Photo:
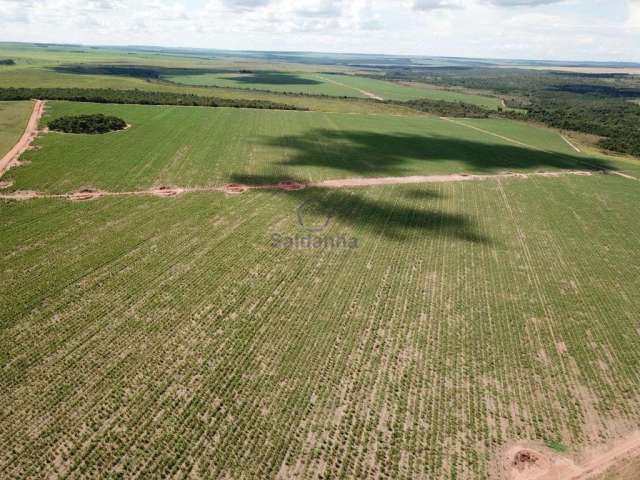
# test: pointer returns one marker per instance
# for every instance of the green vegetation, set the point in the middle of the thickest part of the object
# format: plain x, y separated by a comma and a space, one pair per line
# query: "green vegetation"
135, 327
191, 146
13, 120
555, 445
592, 104
90, 124
616, 119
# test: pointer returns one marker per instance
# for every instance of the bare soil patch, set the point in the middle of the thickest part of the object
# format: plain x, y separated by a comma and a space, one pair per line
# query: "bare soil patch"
291, 186
235, 188
85, 194
166, 191
4, 185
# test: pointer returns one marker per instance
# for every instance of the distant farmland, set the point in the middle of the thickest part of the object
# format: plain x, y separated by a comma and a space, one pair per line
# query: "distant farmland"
328, 84
190, 146
273, 81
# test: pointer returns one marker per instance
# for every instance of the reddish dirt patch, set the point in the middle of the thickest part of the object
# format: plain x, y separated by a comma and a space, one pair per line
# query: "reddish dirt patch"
291, 186
525, 459
166, 191
85, 194
4, 185
235, 188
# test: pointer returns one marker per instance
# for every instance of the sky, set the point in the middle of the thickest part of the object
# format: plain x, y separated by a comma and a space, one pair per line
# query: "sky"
600, 30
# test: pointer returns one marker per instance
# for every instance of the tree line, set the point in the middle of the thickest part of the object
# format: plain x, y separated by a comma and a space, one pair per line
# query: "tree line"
139, 97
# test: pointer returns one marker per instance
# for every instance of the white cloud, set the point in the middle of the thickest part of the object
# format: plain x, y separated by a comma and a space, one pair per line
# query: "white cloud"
428, 5
522, 3
634, 14
572, 29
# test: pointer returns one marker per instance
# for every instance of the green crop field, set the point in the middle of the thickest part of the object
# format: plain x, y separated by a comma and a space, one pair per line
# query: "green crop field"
152, 337
390, 331
191, 146
334, 85
396, 91
272, 81
13, 120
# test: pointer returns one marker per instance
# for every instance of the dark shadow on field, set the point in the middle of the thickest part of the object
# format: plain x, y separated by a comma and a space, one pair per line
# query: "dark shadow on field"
273, 78
387, 154
397, 220
135, 71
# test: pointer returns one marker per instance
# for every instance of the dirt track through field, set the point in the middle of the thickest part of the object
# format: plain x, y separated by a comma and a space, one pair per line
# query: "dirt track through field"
29, 135
487, 132
364, 92
571, 144
231, 189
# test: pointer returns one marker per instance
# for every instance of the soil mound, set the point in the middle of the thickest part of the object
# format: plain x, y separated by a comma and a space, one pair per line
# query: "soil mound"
525, 459
235, 188
166, 191
85, 194
291, 186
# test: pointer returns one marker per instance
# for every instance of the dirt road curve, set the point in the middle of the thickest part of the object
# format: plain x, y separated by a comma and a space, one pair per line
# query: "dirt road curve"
30, 133
556, 467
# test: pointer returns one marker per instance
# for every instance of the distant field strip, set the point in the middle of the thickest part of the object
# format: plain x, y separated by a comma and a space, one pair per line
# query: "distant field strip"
202, 147
305, 83
147, 338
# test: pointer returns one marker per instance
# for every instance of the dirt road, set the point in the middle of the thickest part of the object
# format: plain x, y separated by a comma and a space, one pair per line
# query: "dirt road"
30, 133
172, 191
549, 466
363, 92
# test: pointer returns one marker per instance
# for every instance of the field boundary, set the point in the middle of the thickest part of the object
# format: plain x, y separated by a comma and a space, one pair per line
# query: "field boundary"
363, 92
502, 137
29, 135
172, 191
570, 144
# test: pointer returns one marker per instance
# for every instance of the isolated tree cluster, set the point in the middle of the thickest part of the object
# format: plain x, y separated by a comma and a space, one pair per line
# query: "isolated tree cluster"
91, 124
